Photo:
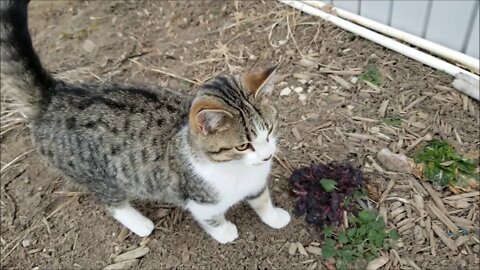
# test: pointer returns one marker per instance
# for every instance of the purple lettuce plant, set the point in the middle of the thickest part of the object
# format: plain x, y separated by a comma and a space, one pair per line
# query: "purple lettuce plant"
325, 191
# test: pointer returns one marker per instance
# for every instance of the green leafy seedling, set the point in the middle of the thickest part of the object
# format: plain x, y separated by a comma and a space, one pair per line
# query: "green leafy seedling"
366, 216
372, 74
354, 247
328, 184
444, 167
327, 231
393, 121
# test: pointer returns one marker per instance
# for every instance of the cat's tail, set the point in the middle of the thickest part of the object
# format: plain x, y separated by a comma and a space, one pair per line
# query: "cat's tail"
22, 75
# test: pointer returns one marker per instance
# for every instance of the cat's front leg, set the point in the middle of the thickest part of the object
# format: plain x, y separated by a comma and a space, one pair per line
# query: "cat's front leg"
274, 217
215, 225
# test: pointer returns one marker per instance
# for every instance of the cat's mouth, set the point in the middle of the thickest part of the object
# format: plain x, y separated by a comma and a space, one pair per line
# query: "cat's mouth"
259, 163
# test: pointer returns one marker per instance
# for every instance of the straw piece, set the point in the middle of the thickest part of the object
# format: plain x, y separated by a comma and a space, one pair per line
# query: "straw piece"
444, 237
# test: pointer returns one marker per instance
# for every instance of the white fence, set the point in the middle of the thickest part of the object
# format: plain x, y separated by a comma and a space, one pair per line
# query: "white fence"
451, 23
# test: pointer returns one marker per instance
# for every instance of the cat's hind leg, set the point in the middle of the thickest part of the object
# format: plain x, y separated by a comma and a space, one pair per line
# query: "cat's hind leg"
132, 219
118, 206
272, 216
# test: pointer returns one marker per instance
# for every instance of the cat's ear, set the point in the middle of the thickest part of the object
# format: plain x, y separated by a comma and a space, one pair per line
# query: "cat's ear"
260, 83
208, 116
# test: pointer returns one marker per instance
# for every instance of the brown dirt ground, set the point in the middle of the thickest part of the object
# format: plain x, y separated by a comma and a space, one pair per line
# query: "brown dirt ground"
44, 227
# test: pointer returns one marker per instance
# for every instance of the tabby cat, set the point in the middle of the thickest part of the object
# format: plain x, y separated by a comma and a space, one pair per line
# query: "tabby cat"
203, 153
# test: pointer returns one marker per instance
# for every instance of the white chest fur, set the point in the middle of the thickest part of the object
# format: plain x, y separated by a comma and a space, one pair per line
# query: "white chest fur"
233, 180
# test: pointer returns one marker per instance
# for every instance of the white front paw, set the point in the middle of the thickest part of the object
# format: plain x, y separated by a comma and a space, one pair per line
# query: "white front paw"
142, 227
225, 233
276, 218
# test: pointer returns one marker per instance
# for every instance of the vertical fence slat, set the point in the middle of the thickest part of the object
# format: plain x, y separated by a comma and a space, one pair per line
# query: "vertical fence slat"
349, 5
473, 46
377, 10
449, 21
409, 16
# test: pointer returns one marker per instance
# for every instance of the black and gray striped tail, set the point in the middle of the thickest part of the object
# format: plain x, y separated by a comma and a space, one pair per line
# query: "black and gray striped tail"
22, 74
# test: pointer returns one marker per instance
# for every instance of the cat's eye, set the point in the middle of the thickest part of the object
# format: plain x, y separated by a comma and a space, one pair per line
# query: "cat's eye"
243, 147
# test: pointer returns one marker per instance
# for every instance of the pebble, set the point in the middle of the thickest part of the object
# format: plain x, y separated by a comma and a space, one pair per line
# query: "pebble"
354, 80
292, 249
375, 129
26, 243
302, 81
394, 162
302, 98
88, 46
314, 250
285, 91
252, 57
298, 89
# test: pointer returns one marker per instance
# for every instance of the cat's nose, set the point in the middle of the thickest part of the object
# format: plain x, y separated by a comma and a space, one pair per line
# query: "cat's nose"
268, 158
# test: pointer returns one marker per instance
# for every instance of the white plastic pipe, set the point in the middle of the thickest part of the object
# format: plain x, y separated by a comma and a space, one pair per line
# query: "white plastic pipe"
467, 61
391, 44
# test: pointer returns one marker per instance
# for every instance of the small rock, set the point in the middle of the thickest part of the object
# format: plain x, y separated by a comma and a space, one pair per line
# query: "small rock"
292, 249
26, 243
354, 80
282, 84
476, 248
282, 42
314, 250
298, 89
302, 81
88, 46
310, 89
285, 91
302, 97
252, 57
375, 129
394, 162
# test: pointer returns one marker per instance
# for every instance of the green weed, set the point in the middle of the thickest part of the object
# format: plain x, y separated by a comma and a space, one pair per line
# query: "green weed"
354, 247
444, 167
372, 74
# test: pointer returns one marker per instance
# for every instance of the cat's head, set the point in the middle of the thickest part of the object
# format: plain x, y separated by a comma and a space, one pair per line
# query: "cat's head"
232, 118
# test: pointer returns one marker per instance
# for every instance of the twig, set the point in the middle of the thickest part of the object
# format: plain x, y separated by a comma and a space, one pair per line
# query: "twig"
282, 163
2, 170
164, 72
32, 228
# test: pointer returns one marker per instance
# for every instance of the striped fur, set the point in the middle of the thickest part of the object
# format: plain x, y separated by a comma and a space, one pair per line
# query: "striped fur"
129, 142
